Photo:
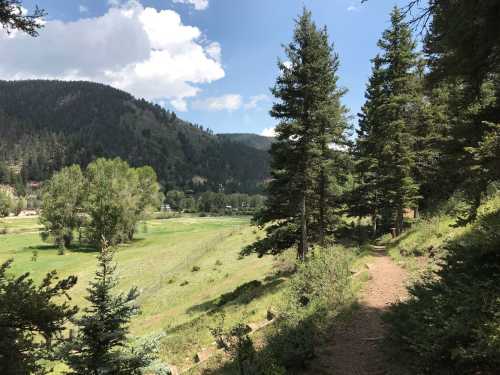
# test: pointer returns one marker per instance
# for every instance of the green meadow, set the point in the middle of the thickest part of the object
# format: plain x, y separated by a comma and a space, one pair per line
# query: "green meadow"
182, 267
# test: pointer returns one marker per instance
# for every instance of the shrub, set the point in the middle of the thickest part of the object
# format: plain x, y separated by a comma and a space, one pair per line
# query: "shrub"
317, 292
451, 322
195, 269
245, 360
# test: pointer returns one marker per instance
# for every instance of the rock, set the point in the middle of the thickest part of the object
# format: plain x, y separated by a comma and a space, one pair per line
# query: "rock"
271, 314
203, 355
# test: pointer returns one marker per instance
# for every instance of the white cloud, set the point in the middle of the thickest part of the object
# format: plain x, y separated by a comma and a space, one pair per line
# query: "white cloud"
353, 7
146, 52
83, 8
255, 100
198, 4
268, 132
179, 104
214, 50
230, 102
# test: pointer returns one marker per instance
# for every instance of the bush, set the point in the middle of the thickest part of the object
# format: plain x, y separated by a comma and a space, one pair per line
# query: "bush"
245, 360
451, 323
195, 269
317, 292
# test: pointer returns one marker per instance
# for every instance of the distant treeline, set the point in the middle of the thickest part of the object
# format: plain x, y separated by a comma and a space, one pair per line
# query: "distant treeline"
214, 203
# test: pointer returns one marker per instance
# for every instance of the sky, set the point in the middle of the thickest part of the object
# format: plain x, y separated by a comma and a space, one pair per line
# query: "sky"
211, 61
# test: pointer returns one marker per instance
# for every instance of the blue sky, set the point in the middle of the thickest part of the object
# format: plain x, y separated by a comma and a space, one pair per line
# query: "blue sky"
212, 61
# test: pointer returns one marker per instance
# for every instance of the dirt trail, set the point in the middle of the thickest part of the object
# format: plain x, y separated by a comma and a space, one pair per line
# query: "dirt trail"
355, 346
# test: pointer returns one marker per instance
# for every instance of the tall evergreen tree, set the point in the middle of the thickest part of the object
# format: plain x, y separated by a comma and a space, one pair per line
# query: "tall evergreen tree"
388, 126
102, 331
311, 122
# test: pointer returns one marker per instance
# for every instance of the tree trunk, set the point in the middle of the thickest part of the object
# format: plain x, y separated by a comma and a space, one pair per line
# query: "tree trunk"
399, 221
67, 239
322, 204
303, 245
374, 224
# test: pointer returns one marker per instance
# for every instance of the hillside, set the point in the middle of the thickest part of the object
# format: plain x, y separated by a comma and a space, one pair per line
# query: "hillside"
253, 140
45, 125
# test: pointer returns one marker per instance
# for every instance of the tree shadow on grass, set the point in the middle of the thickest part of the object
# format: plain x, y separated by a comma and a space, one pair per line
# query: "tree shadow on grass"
242, 295
81, 247
75, 248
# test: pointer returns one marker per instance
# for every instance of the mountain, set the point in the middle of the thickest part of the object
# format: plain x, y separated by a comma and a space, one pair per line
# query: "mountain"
253, 140
46, 125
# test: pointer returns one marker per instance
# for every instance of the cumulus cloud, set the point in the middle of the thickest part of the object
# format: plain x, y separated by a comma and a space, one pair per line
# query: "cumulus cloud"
229, 102
214, 50
144, 51
268, 132
254, 101
198, 4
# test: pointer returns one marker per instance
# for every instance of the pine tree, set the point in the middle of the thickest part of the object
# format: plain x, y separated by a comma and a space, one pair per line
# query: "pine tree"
366, 199
312, 120
12, 17
388, 125
102, 330
32, 320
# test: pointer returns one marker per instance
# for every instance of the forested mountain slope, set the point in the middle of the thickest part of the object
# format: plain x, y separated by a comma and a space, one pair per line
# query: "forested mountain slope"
45, 125
259, 142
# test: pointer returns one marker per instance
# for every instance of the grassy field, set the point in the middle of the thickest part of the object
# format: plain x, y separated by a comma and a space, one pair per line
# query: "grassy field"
182, 266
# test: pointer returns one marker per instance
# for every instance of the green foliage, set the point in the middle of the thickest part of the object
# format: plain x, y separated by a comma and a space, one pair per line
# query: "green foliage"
32, 320
389, 131
317, 292
5, 204
102, 332
47, 125
450, 324
61, 211
311, 121
215, 203
13, 18
237, 343
253, 140
106, 202
146, 350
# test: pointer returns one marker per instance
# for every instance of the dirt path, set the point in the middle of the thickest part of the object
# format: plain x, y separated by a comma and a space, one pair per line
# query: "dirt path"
354, 349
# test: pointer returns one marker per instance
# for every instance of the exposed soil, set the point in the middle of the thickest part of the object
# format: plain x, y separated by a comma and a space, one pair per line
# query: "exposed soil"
355, 347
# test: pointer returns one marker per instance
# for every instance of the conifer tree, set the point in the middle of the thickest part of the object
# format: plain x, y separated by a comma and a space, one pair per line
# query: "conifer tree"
98, 347
366, 199
12, 18
32, 320
311, 122
389, 123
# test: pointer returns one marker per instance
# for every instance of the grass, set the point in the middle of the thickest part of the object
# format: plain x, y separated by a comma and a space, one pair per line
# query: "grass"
174, 299
187, 270
424, 239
